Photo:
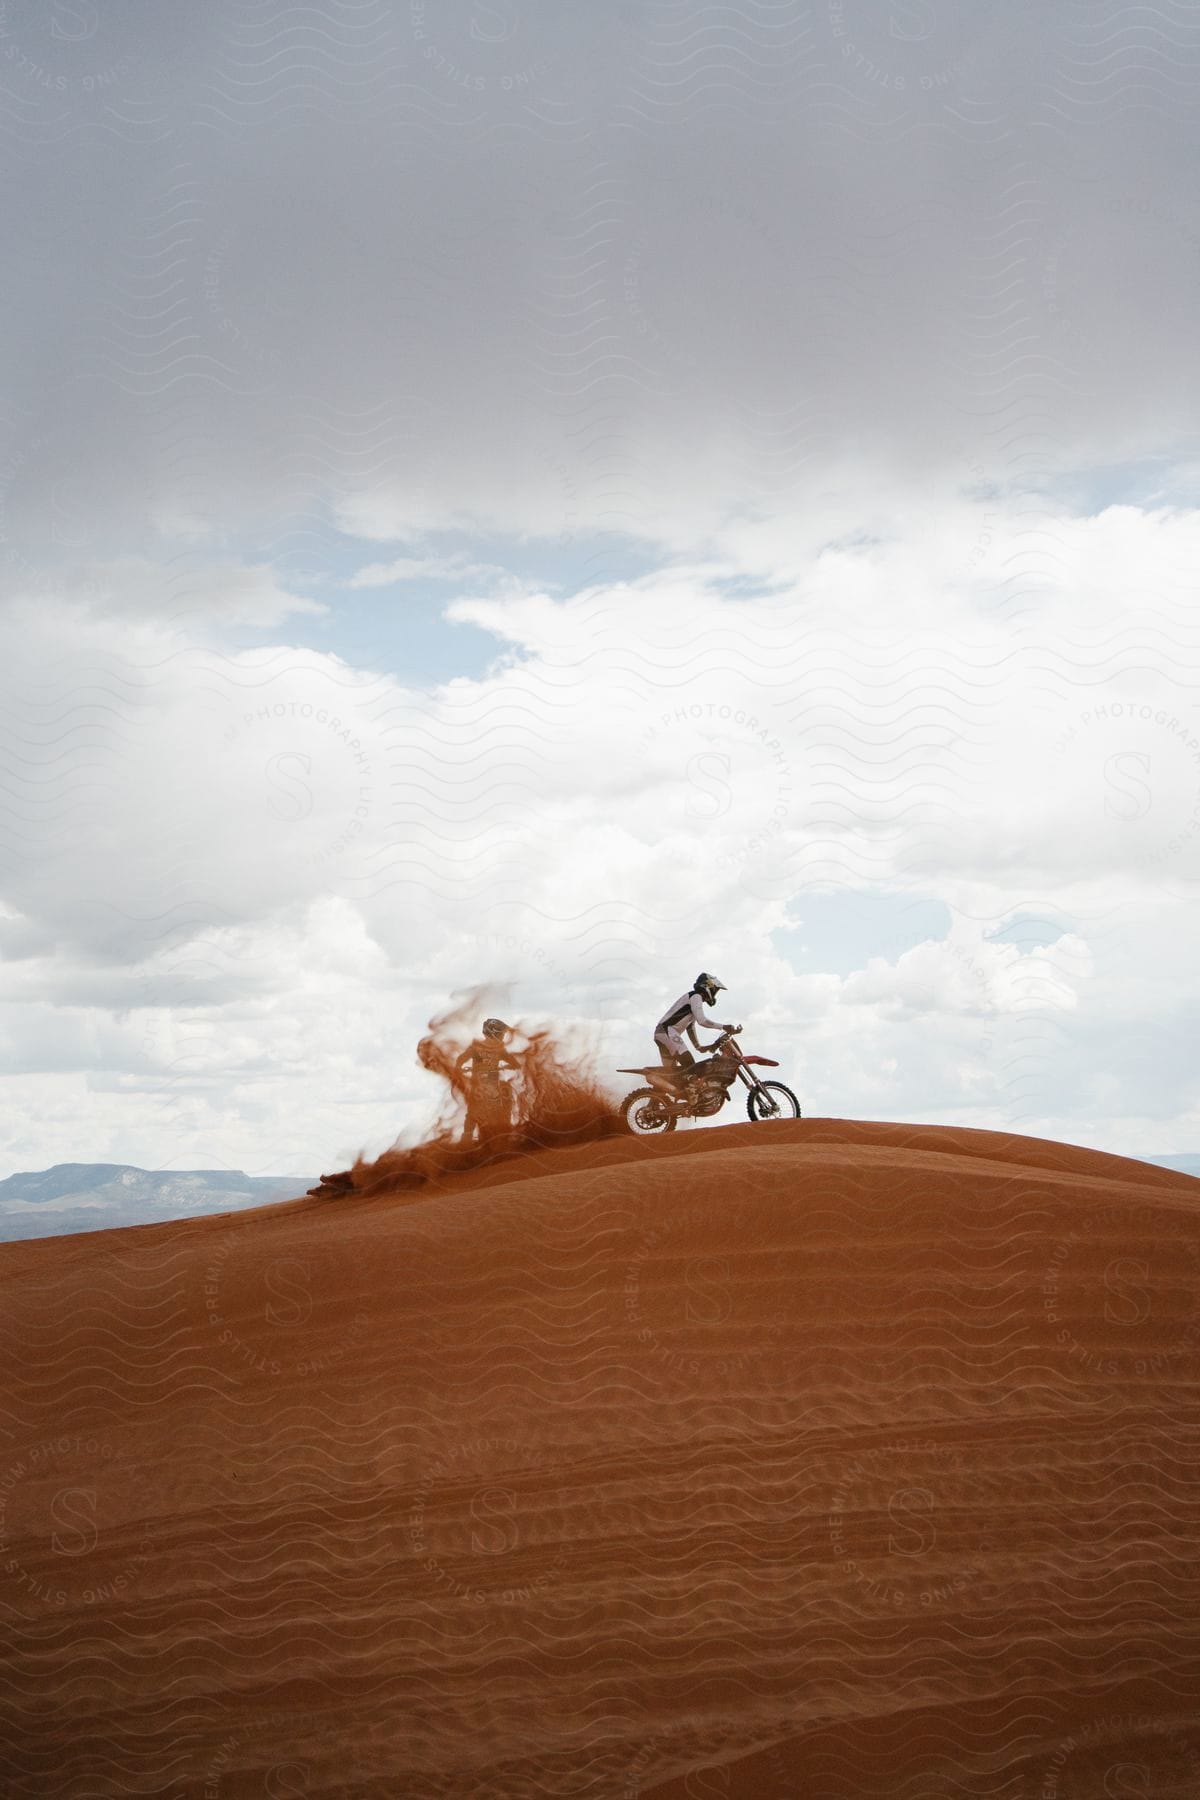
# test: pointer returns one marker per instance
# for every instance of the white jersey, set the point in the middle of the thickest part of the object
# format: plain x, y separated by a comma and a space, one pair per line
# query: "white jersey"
687, 1014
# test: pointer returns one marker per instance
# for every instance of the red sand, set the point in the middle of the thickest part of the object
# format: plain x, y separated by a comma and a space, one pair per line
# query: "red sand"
812, 1460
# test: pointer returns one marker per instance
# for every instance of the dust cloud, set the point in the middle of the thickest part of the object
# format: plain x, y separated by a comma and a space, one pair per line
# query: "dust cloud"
556, 1102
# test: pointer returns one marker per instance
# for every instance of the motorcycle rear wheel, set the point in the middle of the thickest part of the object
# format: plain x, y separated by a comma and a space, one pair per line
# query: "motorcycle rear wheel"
645, 1112
785, 1100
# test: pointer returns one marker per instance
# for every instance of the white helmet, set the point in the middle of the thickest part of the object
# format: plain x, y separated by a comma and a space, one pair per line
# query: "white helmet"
708, 987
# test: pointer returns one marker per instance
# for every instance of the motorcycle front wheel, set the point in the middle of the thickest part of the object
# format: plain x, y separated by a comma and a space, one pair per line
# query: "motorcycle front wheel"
786, 1105
645, 1111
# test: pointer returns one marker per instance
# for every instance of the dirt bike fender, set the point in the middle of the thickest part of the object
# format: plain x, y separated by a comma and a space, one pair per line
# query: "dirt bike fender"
768, 1062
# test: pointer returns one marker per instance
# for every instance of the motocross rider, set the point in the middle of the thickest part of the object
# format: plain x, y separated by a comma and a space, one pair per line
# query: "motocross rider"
486, 1090
686, 1014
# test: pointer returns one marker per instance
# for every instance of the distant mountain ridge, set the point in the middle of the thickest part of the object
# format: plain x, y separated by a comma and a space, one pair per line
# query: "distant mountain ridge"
96, 1196
1187, 1165
76, 1196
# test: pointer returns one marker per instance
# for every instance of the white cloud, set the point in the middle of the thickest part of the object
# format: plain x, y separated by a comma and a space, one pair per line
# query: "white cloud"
271, 869
833, 318
198, 594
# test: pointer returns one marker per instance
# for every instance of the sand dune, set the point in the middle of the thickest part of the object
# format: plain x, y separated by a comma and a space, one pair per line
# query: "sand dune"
814, 1460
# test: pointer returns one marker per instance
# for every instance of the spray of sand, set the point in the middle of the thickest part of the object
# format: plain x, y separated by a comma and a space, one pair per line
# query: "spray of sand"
557, 1102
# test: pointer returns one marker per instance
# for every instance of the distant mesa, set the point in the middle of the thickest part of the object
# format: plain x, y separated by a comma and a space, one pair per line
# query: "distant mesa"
77, 1196
1184, 1165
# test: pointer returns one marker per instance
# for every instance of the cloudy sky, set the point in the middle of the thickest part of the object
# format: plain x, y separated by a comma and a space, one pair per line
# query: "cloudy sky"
557, 496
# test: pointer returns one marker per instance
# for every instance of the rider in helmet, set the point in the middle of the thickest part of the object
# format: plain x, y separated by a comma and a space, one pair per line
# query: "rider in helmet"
685, 1016
489, 1097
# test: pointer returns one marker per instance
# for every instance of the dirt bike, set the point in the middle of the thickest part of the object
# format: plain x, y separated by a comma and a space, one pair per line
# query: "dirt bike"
703, 1089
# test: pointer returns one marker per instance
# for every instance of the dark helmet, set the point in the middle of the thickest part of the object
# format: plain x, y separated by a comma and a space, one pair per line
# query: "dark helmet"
495, 1028
708, 987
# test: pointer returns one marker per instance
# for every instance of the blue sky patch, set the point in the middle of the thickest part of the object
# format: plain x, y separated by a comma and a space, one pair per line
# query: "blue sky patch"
835, 934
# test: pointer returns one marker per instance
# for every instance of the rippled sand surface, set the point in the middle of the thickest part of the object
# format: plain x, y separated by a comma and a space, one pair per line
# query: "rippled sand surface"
815, 1460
